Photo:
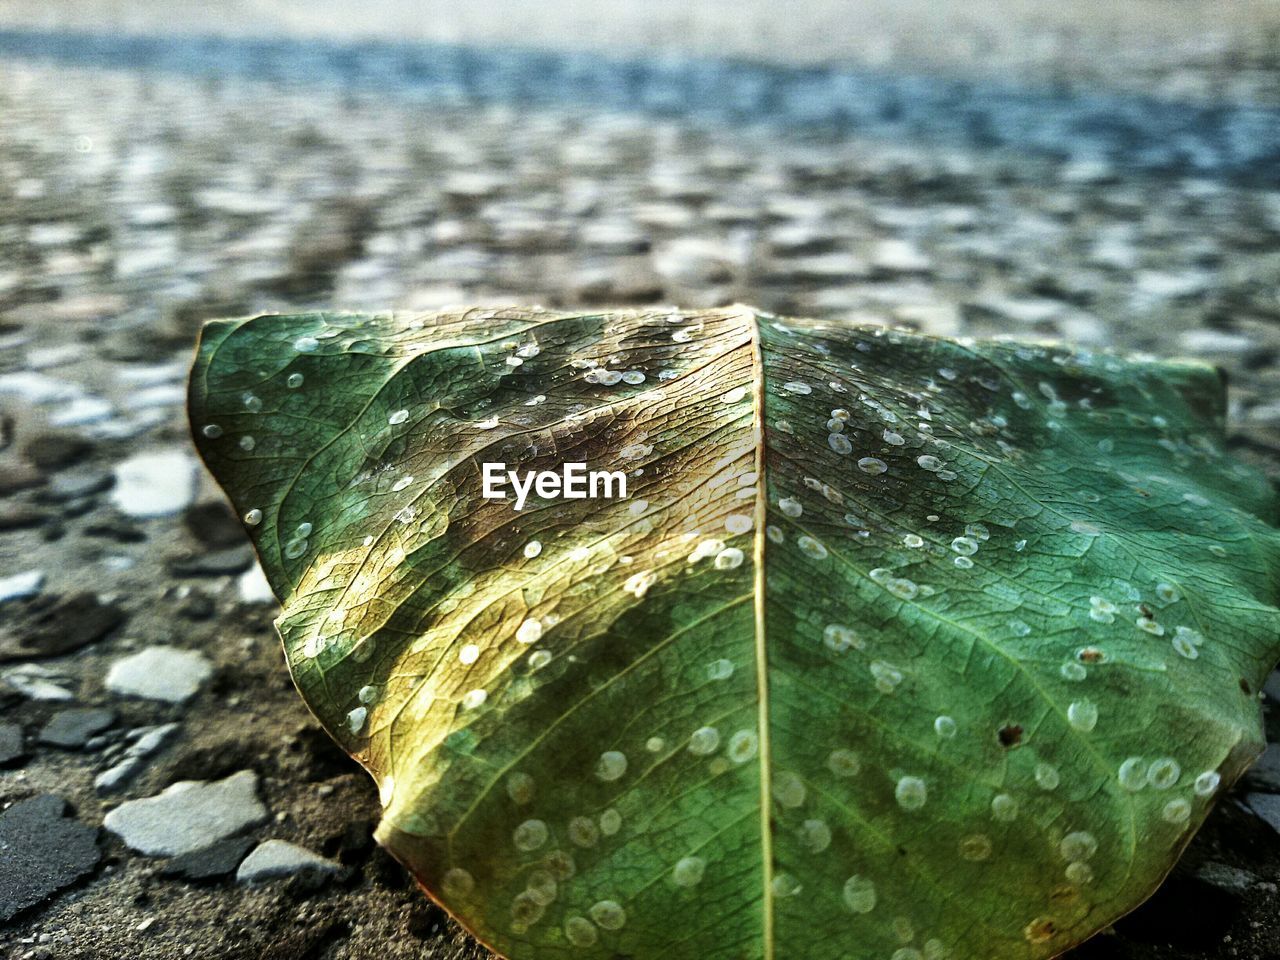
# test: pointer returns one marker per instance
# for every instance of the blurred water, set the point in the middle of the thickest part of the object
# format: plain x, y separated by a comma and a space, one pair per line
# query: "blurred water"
1230, 140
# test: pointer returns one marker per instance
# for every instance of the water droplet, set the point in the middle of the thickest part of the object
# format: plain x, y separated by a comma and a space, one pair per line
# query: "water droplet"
253, 517
1207, 783
720, 669
608, 915
785, 885
580, 931
1078, 845
886, 675
1133, 774
1004, 808
611, 765
520, 788
1047, 776
911, 793
1073, 671
530, 835
1163, 773
844, 763
788, 789
929, 462
872, 465
859, 894
743, 746
944, 727
212, 431
1079, 873
457, 883
790, 507
1083, 715
1177, 811
976, 847
838, 638
356, 719
583, 832
812, 548
704, 741
688, 871
729, 558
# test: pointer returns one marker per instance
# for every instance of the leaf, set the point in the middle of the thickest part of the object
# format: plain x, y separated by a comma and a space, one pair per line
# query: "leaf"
952, 664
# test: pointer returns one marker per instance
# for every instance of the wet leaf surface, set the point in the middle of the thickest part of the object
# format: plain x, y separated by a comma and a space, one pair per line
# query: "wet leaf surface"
897, 647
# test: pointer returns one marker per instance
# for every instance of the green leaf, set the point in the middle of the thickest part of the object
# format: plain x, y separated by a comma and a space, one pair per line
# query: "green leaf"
896, 648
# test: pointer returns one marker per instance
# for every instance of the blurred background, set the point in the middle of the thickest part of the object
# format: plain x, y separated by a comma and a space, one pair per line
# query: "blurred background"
1107, 174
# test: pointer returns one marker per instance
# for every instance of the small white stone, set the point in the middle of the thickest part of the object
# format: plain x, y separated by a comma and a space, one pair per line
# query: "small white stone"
21, 585
159, 673
155, 484
252, 586
189, 815
278, 859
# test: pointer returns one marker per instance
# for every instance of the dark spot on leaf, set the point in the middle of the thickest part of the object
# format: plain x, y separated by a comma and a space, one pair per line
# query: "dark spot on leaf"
1009, 735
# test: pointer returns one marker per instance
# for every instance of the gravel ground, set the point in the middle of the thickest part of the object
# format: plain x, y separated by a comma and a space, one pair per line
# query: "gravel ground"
134, 203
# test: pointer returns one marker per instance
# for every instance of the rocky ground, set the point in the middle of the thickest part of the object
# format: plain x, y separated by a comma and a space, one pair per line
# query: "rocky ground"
136, 648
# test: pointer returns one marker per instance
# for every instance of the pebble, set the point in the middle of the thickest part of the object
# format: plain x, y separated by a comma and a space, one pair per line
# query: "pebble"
1264, 775
77, 483
45, 850
277, 859
37, 683
155, 484
159, 673
19, 586
213, 563
72, 729
148, 741
55, 451
11, 747
69, 624
898, 257
1266, 806
19, 476
1208, 342
252, 586
188, 815
216, 860
1226, 877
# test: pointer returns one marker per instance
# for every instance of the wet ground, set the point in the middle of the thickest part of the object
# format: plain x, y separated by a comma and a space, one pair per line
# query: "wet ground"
144, 188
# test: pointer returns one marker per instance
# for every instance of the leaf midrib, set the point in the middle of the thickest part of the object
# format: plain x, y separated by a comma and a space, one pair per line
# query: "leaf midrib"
761, 653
